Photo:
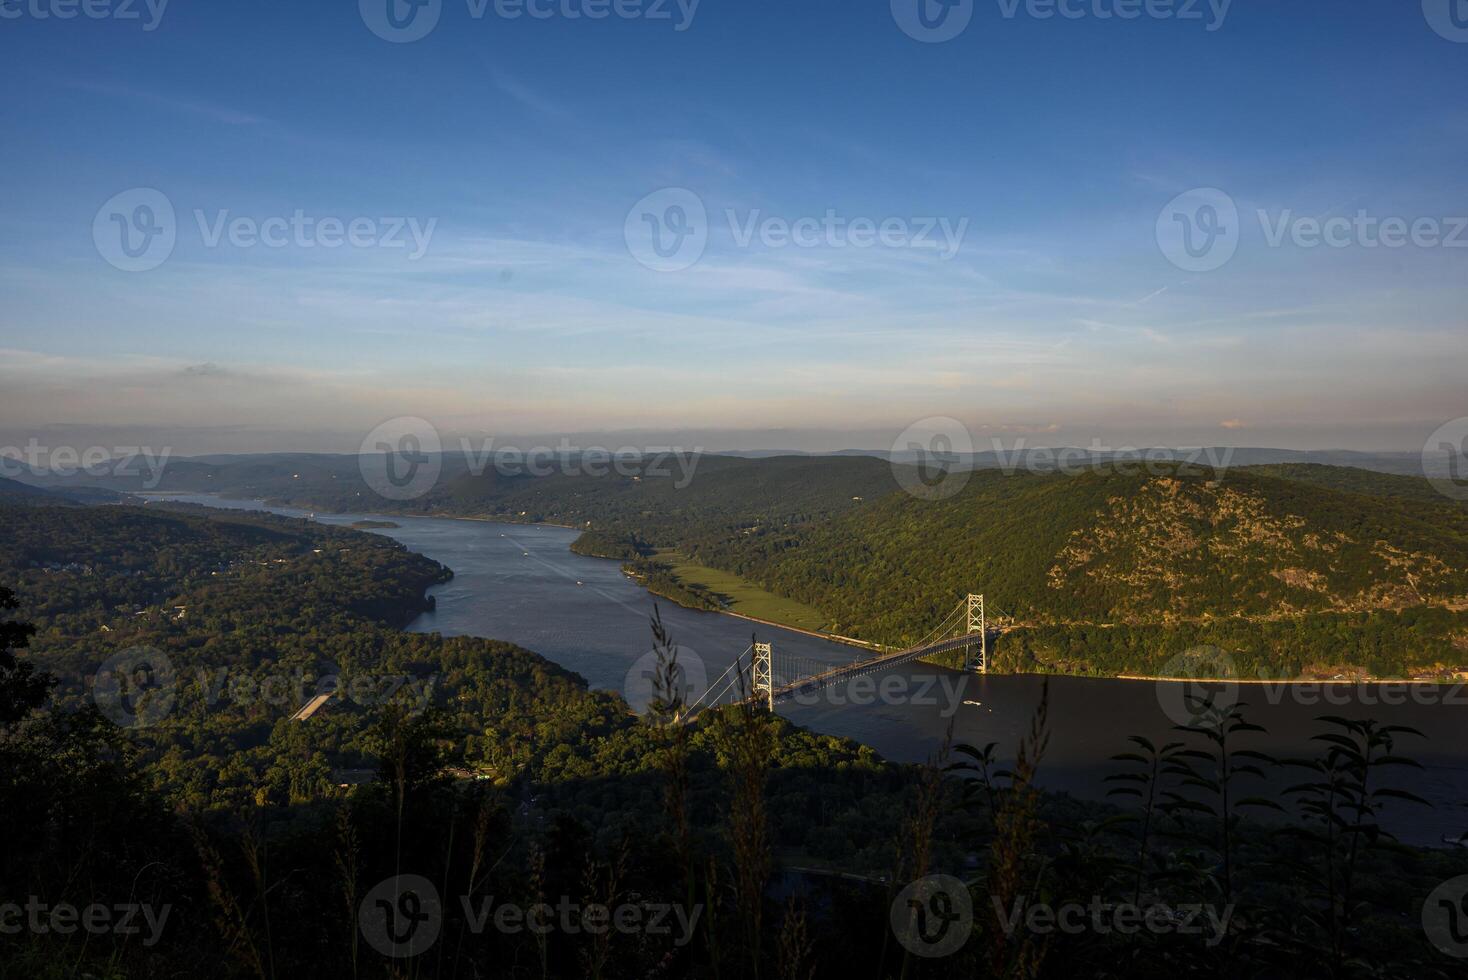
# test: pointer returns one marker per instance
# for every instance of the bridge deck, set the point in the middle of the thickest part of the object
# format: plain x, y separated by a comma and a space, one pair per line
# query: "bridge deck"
847, 671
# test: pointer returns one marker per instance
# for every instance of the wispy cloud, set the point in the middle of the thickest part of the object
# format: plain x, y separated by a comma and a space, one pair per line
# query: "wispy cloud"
173, 103
528, 98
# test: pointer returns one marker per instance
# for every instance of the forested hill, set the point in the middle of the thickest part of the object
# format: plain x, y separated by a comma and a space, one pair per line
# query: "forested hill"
1353, 480
129, 568
1156, 560
12, 492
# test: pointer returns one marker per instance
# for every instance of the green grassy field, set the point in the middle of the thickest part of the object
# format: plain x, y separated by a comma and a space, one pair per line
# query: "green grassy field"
744, 598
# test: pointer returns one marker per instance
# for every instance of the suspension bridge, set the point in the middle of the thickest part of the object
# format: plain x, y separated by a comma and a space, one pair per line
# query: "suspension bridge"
767, 677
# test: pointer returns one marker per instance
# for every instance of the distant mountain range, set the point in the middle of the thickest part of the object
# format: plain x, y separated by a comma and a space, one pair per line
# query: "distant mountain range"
232, 472
1043, 458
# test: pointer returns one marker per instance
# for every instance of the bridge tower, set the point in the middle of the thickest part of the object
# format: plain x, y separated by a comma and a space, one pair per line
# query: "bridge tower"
762, 673
977, 624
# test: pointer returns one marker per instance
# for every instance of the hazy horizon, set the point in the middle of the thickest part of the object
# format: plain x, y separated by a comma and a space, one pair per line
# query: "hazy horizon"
190, 444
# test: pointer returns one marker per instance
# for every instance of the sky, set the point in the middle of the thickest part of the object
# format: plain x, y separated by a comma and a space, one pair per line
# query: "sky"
1045, 227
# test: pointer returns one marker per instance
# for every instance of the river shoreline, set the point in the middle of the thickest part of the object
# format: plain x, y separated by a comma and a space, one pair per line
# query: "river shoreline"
831, 637
851, 641
436, 515
1289, 682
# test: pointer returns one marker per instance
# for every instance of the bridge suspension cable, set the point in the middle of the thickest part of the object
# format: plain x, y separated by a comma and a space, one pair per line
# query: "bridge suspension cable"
730, 673
949, 622
773, 675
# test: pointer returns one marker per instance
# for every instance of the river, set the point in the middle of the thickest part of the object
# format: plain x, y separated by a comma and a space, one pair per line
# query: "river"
521, 583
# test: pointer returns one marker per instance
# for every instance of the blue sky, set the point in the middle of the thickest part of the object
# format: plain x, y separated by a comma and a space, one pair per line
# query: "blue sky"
524, 144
